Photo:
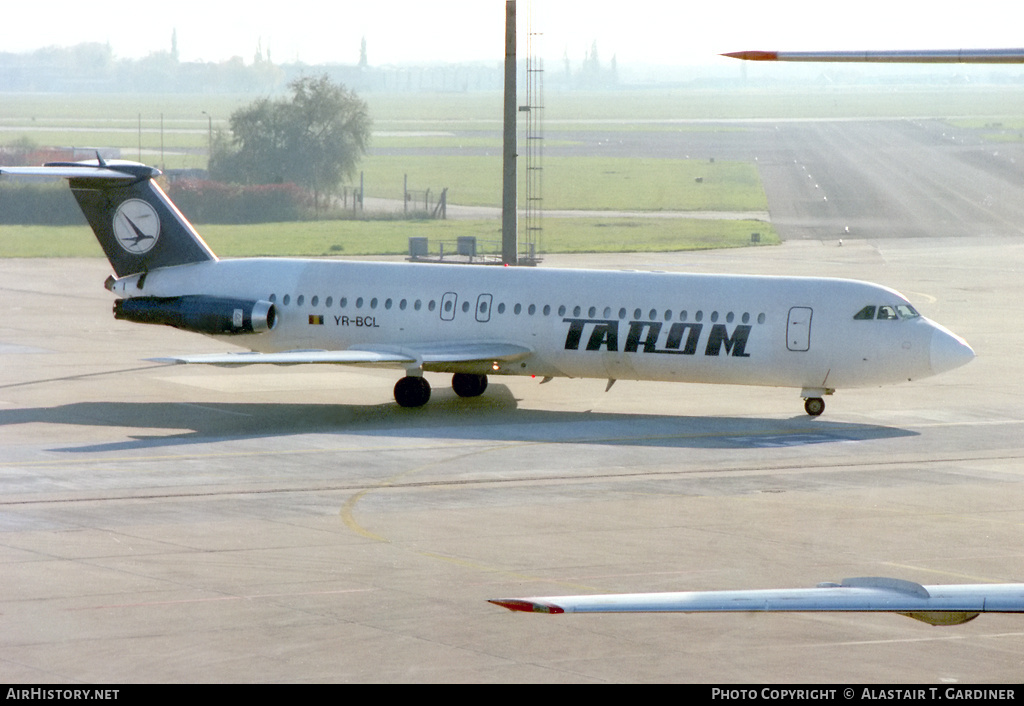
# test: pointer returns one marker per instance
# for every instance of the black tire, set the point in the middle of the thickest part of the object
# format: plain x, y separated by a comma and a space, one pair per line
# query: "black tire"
468, 385
814, 406
412, 391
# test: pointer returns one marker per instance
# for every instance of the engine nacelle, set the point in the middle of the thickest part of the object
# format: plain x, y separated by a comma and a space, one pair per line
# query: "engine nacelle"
199, 313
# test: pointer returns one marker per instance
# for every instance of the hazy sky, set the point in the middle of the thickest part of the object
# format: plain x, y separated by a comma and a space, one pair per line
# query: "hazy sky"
399, 31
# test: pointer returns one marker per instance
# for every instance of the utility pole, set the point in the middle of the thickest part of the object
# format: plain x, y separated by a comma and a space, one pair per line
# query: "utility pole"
209, 139
509, 205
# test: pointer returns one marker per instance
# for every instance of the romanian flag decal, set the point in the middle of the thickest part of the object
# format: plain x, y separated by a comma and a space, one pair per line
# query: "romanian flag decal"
316, 320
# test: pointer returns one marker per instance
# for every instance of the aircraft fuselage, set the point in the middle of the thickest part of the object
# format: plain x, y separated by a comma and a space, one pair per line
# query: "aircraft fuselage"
734, 329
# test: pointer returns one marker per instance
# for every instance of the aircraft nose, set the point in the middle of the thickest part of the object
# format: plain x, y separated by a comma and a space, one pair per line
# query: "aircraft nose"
948, 350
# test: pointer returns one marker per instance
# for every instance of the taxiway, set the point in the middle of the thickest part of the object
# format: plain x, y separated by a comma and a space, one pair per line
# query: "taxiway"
175, 524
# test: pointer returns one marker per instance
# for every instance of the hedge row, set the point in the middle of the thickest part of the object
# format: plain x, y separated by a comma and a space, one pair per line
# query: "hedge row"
200, 201
216, 202
38, 204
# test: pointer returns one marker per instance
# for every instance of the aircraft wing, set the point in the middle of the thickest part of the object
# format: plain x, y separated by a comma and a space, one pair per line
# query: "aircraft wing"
936, 605
387, 356
927, 56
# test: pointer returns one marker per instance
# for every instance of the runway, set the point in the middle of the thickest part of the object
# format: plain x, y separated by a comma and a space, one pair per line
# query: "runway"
843, 178
175, 524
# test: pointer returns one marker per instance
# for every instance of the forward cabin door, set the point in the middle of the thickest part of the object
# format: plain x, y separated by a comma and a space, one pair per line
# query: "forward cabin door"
798, 330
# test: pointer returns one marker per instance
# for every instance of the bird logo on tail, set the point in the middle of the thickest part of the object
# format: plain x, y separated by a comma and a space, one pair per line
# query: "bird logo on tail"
136, 226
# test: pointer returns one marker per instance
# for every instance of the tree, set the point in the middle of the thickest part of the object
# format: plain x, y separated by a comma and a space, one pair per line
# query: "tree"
314, 139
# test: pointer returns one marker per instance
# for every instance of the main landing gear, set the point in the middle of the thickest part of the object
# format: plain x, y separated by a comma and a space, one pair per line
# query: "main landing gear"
467, 385
414, 391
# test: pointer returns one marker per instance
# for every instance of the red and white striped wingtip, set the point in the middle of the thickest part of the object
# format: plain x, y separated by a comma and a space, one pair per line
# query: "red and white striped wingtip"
525, 606
897, 56
754, 55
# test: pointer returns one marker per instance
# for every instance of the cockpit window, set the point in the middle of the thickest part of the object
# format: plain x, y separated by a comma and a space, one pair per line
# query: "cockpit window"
886, 312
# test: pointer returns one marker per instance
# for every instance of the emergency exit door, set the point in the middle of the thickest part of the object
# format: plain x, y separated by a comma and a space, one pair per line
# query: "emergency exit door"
798, 330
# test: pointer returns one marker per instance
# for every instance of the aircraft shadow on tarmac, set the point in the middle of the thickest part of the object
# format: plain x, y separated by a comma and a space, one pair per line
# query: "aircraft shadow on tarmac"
495, 416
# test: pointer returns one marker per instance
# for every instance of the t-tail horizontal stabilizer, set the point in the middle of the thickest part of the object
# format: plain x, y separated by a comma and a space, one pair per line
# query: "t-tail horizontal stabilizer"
935, 605
139, 228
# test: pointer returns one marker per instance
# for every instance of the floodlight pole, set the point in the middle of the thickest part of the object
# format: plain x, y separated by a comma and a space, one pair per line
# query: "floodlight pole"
509, 204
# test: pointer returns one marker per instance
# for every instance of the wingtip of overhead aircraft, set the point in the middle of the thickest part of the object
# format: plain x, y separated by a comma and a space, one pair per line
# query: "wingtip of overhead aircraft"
753, 55
943, 604
897, 56
525, 606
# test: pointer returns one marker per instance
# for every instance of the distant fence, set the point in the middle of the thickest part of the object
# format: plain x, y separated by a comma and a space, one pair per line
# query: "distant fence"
360, 202
433, 205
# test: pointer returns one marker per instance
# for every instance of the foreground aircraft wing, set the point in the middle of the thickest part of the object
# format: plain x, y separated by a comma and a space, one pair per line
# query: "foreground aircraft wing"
931, 56
398, 356
936, 605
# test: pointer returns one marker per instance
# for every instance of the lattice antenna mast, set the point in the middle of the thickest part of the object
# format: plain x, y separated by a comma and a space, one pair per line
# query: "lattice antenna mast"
534, 109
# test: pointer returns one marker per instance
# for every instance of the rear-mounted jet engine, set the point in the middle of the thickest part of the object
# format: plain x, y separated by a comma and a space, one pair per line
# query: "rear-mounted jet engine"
202, 314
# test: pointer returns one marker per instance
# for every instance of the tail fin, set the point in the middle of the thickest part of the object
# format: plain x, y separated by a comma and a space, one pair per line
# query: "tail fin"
137, 225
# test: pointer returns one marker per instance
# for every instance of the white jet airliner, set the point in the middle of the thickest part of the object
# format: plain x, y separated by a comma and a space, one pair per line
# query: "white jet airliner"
813, 334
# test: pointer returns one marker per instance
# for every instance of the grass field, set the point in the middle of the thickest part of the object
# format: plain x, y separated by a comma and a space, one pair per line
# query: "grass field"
580, 183
174, 131
116, 120
352, 238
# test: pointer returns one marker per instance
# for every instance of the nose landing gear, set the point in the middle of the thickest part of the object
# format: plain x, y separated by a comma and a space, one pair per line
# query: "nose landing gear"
814, 406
